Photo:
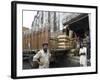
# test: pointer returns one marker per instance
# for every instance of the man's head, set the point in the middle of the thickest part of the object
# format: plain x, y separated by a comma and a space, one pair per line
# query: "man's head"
45, 46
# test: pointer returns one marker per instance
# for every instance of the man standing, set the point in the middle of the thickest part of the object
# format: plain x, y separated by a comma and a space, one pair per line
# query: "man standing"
83, 55
43, 56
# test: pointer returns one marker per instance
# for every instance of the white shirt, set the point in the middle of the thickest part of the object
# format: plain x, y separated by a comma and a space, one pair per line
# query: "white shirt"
83, 50
43, 58
83, 58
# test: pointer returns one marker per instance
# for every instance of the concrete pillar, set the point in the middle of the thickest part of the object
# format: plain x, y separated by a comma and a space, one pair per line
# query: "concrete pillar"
89, 15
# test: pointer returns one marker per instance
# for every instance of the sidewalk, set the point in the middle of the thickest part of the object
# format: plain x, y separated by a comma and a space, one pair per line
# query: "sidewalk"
73, 58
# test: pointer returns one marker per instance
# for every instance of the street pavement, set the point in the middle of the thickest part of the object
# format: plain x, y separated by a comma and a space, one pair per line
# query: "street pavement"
61, 61
64, 61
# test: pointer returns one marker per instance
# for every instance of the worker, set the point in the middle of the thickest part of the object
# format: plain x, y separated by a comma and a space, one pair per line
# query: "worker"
87, 38
83, 55
43, 56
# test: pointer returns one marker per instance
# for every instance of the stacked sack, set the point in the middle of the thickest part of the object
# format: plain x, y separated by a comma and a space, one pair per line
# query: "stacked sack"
63, 41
